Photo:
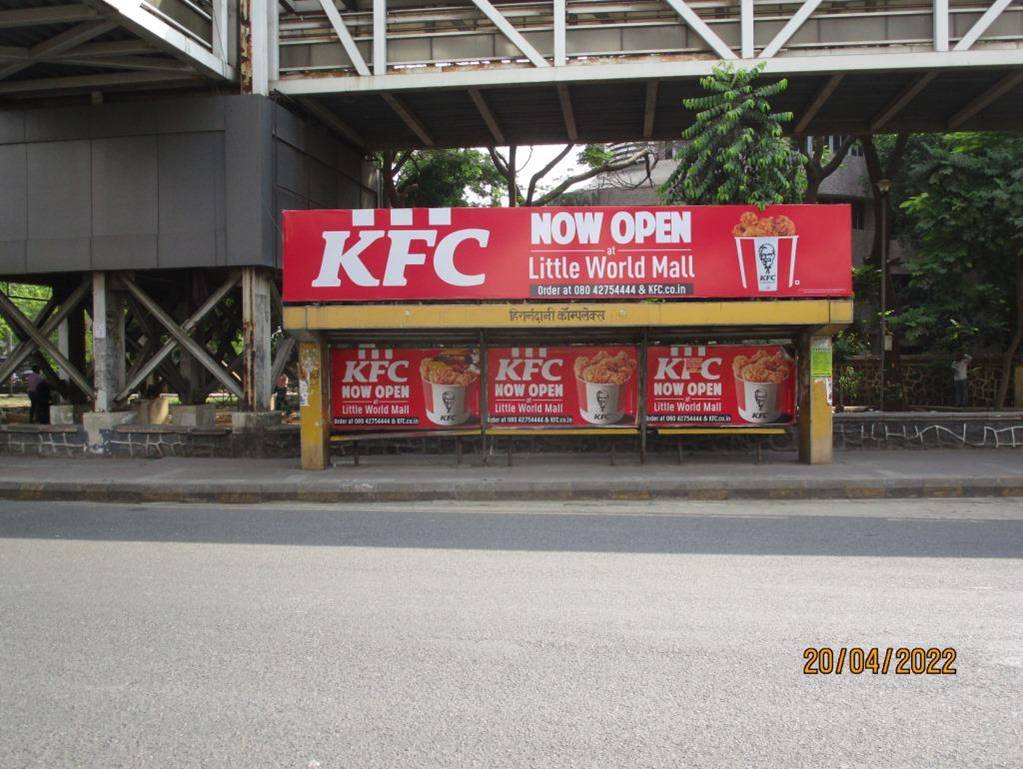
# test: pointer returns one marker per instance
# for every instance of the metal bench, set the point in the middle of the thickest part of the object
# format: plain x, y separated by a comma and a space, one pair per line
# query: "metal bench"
759, 432
356, 438
540, 432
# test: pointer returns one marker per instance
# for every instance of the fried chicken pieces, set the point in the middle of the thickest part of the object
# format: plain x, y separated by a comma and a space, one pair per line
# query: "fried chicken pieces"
762, 367
603, 368
751, 226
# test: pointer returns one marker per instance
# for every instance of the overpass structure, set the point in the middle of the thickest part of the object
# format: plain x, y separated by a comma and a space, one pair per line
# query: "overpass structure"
148, 146
413, 73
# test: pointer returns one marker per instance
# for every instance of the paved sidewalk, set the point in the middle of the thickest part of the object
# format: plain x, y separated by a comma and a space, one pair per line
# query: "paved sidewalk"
854, 475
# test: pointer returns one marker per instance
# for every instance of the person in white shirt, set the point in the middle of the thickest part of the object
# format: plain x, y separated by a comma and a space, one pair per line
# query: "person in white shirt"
959, 378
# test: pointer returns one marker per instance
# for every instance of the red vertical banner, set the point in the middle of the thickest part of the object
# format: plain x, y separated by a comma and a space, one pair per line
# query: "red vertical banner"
727, 385
403, 388
562, 386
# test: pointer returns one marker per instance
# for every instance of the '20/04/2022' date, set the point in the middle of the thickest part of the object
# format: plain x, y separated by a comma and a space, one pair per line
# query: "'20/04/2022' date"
902, 660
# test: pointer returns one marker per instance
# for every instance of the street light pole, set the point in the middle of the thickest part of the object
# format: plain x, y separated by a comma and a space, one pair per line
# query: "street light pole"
884, 186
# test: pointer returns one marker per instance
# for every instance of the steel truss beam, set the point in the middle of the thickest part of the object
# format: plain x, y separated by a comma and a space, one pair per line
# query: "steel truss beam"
57, 44
183, 337
40, 337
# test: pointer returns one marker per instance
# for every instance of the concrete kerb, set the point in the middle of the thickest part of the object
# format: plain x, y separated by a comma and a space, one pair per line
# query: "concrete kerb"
361, 492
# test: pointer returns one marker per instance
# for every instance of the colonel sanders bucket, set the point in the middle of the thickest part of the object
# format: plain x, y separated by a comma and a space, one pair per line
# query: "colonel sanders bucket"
767, 252
447, 379
602, 387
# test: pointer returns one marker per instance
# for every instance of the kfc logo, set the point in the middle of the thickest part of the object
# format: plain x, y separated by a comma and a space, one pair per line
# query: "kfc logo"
344, 250
374, 366
677, 368
528, 368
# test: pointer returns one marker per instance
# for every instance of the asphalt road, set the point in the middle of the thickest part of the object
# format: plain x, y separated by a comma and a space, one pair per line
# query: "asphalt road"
549, 636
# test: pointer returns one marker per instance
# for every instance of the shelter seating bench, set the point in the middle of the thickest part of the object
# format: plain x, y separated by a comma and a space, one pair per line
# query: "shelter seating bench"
760, 434
546, 432
356, 438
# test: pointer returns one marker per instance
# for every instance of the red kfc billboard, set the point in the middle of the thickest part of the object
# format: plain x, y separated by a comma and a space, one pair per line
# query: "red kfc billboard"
562, 386
720, 385
691, 252
402, 388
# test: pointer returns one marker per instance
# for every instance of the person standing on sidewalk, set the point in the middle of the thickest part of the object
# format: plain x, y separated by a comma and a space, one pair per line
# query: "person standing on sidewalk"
960, 378
33, 380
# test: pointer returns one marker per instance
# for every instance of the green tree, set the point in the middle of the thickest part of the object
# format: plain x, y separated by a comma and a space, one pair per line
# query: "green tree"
735, 150
966, 225
439, 178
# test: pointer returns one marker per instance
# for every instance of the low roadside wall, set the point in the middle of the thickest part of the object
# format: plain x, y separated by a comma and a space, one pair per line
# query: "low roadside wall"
852, 431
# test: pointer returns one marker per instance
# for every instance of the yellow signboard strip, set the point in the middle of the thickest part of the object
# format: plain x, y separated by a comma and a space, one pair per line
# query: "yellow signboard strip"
797, 312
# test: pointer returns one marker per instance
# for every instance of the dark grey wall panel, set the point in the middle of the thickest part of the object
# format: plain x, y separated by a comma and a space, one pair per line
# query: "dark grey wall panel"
167, 183
124, 186
113, 252
191, 198
249, 176
62, 123
13, 203
123, 119
202, 113
59, 190
12, 126
12, 257
58, 254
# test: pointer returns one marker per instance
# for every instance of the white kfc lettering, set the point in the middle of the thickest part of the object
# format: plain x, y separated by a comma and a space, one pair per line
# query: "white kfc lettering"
670, 368
335, 258
522, 370
400, 256
374, 370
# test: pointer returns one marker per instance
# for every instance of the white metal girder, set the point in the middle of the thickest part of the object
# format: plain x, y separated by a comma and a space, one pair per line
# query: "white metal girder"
699, 26
980, 26
514, 36
133, 63
560, 39
940, 25
60, 43
791, 27
746, 32
347, 42
379, 37
134, 15
646, 70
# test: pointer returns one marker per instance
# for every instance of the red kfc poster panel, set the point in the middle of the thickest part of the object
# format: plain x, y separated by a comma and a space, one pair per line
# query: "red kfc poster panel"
549, 254
562, 386
721, 385
405, 389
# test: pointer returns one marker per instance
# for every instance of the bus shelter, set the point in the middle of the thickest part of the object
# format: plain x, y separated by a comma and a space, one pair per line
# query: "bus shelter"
567, 321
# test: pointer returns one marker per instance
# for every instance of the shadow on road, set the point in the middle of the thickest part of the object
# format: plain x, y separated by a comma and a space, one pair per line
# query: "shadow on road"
832, 535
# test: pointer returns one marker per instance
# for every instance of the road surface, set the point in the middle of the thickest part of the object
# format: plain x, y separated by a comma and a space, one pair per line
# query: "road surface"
584, 635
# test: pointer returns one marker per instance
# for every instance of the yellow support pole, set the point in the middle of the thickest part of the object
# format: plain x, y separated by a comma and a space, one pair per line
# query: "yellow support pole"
314, 403
815, 396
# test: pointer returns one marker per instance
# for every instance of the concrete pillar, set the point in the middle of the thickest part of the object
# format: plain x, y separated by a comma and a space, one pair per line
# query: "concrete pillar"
815, 395
107, 341
71, 342
257, 362
314, 403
